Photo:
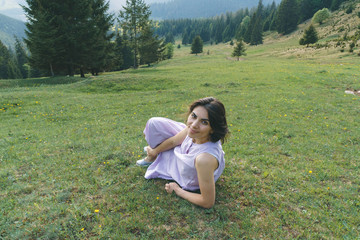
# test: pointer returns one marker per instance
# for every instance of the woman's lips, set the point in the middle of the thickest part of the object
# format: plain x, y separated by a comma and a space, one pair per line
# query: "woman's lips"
192, 131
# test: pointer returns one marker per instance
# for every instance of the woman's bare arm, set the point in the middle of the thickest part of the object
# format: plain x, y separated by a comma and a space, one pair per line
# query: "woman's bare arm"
205, 165
167, 144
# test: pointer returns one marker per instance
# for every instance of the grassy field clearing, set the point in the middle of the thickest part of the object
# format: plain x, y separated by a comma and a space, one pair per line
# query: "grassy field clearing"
68, 148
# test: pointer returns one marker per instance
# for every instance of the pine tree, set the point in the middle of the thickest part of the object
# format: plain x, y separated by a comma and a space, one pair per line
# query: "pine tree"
287, 16
169, 51
123, 54
150, 47
117, 58
308, 8
219, 27
134, 17
64, 36
250, 28
257, 31
169, 38
197, 45
4, 58
239, 49
41, 38
21, 58
310, 36
242, 28
185, 38
127, 53
8, 66
226, 35
335, 4
270, 19
99, 47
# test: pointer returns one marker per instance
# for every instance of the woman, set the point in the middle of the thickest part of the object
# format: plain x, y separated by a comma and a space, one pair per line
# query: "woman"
191, 154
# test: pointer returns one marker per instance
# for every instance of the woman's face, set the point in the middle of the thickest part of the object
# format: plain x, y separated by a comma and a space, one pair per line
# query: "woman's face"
199, 125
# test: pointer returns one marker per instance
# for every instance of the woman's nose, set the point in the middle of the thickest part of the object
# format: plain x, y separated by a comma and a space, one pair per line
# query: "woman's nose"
195, 124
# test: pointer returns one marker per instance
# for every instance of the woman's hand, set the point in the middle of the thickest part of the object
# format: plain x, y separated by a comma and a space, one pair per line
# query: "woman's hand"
170, 187
151, 154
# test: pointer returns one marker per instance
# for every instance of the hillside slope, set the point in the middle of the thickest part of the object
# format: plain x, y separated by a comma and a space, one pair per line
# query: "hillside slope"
335, 36
9, 28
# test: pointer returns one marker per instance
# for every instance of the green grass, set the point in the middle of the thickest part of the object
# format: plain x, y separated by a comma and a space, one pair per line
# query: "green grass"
68, 148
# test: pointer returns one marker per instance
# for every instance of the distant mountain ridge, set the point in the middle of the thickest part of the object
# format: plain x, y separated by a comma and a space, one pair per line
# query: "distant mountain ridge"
200, 8
10, 27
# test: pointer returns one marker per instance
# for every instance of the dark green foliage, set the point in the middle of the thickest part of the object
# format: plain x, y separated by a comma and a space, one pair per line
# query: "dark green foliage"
254, 31
350, 9
247, 35
270, 19
239, 49
257, 31
117, 60
352, 46
99, 47
335, 4
242, 28
190, 9
197, 45
205, 34
287, 16
240, 24
66, 36
310, 36
124, 56
8, 66
169, 51
222, 28
185, 38
226, 36
309, 7
21, 58
169, 38
150, 47
219, 28
133, 18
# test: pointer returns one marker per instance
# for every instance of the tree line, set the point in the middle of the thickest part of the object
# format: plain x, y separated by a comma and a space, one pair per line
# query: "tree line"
78, 37
14, 64
177, 9
246, 24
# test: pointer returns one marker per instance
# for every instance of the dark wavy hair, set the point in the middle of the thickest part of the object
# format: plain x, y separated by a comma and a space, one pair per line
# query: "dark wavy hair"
217, 117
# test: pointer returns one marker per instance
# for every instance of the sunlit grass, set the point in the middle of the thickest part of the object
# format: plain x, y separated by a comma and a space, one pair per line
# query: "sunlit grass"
68, 148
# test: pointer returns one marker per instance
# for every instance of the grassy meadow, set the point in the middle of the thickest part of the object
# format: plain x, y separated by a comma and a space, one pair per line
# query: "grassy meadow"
68, 148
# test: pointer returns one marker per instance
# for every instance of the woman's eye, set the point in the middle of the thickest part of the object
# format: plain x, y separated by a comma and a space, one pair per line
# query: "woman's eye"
193, 115
205, 122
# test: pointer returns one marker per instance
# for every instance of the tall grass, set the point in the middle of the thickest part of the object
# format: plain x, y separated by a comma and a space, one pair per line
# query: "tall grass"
68, 148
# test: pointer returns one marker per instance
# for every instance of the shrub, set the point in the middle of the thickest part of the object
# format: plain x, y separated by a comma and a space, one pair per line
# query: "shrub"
352, 45
350, 9
321, 15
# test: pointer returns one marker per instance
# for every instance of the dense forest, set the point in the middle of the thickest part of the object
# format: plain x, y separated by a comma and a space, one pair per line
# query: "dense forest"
177, 9
67, 39
246, 24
